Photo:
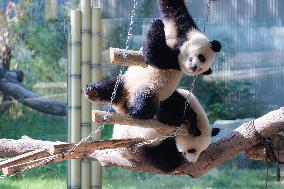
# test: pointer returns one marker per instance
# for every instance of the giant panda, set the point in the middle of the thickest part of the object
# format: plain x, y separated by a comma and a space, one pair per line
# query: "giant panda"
170, 50
172, 152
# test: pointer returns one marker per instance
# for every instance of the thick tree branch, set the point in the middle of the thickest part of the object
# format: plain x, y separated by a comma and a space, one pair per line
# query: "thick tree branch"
242, 138
246, 137
28, 98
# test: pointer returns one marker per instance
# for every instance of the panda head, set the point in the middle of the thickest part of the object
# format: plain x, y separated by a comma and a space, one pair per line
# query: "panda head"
191, 146
197, 54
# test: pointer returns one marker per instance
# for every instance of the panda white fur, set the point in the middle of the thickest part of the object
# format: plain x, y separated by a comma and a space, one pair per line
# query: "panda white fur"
169, 54
170, 153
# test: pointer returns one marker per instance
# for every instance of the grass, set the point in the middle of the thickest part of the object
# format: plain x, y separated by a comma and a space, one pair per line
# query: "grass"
53, 177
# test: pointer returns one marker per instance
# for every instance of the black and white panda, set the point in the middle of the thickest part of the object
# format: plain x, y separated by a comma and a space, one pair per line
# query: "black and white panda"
170, 153
169, 54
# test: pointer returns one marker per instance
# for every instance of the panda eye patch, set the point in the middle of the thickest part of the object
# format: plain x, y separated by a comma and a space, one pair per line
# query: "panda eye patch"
191, 151
201, 58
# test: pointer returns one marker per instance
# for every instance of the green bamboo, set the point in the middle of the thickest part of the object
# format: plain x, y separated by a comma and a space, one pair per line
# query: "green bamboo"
69, 104
86, 79
96, 75
75, 93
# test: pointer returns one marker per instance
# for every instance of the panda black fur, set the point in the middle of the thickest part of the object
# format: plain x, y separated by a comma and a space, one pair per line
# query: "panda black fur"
142, 89
170, 153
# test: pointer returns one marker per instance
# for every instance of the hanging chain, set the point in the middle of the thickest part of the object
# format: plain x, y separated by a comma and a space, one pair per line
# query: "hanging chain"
45, 160
191, 88
207, 14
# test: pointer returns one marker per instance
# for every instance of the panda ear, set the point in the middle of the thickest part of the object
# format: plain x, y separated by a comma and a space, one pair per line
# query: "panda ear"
208, 72
215, 131
216, 46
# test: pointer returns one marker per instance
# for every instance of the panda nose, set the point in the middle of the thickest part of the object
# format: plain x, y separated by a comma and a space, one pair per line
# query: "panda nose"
194, 68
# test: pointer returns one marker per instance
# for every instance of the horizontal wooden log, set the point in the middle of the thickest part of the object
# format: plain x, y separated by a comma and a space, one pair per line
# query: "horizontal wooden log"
134, 58
24, 158
124, 119
58, 153
11, 148
259, 152
241, 139
90, 147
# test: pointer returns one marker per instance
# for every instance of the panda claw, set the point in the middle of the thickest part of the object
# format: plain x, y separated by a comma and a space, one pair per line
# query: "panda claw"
89, 92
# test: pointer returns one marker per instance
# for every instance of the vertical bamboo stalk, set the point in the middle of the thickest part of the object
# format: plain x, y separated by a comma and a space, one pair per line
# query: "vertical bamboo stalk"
96, 75
69, 105
86, 79
75, 92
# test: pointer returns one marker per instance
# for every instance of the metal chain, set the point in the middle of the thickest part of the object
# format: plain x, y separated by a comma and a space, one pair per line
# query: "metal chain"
207, 14
106, 117
186, 104
42, 161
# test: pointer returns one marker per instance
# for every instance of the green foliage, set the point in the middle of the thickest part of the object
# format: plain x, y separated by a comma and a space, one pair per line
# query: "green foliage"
146, 8
20, 120
40, 46
226, 99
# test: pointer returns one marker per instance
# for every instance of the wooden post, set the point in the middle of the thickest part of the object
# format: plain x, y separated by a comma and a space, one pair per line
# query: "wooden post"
96, 75
86, 79
69, 105
75, 92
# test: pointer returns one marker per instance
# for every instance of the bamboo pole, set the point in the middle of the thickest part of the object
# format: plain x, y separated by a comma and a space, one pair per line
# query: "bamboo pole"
75, 92
86, 79
69, 104
96, 75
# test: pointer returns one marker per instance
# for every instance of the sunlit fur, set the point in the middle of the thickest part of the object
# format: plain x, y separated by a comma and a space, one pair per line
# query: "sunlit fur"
197, 44
198, 143
161, 81
170, 33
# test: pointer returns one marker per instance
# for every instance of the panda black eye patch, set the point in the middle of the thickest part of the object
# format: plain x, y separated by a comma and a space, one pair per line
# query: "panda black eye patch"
191, 151
201, 58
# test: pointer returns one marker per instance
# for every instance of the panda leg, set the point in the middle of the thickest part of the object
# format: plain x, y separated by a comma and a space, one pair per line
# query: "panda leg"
155, 49
164, 156
172, 111
102, 90
144, 105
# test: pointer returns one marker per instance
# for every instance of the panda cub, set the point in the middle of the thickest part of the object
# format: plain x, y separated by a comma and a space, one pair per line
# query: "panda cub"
170, 153
171, 49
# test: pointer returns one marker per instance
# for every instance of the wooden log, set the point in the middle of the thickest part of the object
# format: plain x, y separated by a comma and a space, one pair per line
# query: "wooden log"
58, 153
241, 139
11, 148
134, 58
258, 152
11, 170
30, 156
89, 147
124, 119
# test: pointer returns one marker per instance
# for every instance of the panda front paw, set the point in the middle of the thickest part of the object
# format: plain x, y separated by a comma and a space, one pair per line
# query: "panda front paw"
90, 92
